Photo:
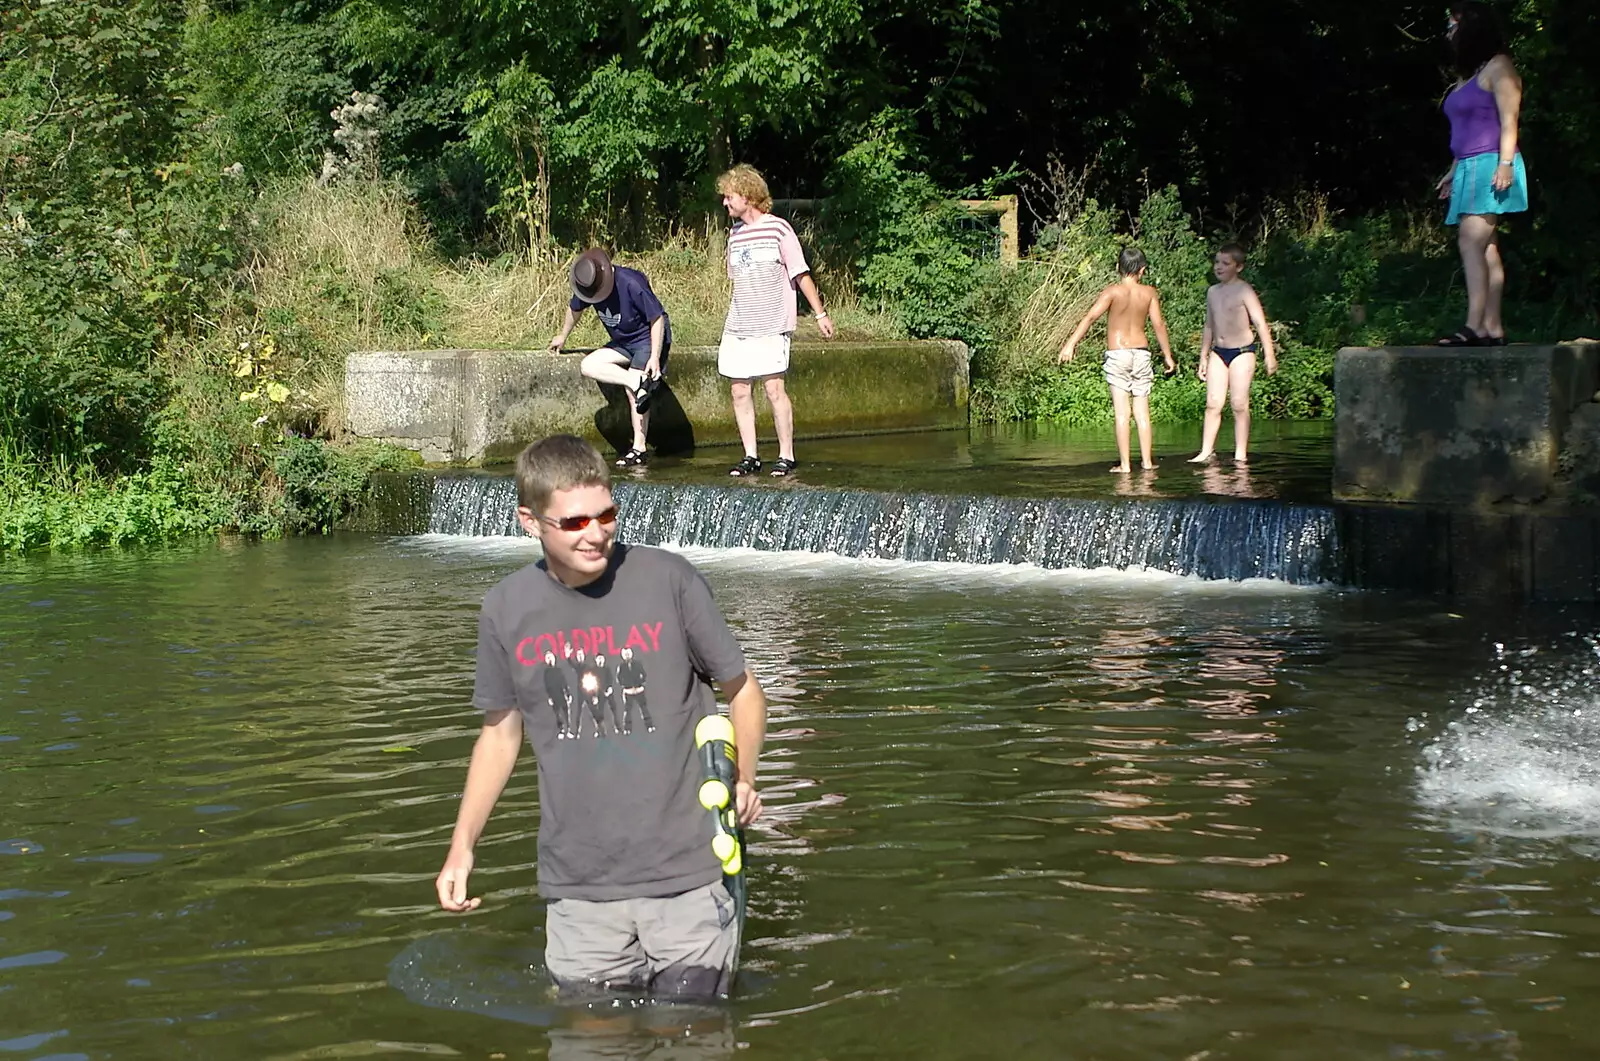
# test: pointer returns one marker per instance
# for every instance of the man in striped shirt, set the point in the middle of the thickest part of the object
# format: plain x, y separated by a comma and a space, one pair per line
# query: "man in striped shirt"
766, 266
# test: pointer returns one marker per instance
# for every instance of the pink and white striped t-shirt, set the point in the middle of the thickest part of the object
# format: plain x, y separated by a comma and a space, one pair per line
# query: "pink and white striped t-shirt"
764, 262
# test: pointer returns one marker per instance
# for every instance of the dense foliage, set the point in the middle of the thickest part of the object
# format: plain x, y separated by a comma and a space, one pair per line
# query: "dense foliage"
178, 272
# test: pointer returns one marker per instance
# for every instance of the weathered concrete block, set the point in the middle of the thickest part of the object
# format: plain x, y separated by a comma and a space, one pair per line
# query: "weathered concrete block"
1516, 553
1456, 426
1490, 554
412, 400
477, 406
1394, 547
1578, 473
1565, 563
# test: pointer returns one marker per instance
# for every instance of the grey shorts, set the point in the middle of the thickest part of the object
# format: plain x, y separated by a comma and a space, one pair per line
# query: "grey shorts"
682, 946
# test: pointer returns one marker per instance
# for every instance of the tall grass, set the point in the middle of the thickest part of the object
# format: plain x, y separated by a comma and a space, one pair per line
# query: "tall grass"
351, 266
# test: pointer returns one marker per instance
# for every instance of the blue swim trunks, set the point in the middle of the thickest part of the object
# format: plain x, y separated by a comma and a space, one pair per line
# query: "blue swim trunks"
1228, 353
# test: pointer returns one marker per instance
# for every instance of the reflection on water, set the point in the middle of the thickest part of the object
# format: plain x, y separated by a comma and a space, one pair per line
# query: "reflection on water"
1230, 480
1012, 813
470, 972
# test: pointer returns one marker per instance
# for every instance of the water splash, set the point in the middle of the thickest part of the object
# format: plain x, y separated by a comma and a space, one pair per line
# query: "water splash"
1523, 758
1205, 539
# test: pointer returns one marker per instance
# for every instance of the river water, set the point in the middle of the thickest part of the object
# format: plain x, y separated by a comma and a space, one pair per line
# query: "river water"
1013, 813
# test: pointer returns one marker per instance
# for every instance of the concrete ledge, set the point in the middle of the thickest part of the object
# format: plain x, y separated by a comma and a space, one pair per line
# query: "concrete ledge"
1474, 426
482, 406
1517, 555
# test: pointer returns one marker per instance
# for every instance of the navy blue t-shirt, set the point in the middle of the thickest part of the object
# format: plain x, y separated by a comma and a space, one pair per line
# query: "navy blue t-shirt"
629, 310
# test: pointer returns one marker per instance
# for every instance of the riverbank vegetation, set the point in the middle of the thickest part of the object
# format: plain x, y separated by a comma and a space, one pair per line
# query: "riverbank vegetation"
204, 206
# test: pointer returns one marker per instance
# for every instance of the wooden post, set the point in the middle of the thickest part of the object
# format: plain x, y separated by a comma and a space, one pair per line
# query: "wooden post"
1006, 208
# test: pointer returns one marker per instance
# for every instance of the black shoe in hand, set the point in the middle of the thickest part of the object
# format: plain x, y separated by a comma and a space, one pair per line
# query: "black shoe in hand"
645, 394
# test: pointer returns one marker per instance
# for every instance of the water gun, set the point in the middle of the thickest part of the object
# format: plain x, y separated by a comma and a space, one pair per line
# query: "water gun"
719, 769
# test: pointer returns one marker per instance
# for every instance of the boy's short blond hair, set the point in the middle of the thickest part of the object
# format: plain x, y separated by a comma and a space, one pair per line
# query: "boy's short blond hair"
744, 179
560, 462
1234, 251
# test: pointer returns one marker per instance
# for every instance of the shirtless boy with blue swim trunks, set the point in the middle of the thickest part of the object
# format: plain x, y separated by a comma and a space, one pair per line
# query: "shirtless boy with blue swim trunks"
1129, 304
1236, 327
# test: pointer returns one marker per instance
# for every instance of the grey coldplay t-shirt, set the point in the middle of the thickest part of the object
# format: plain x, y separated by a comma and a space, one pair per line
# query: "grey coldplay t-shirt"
611, 679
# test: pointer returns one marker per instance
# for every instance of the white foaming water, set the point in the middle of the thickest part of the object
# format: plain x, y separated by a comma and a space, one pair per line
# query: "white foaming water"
1524, 758
798, 565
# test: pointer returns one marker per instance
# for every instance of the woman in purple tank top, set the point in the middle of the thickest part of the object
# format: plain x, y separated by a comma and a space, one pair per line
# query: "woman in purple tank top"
1487, 178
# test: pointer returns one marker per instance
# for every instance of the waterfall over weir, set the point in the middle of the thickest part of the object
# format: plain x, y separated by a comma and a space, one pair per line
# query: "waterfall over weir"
1210, 539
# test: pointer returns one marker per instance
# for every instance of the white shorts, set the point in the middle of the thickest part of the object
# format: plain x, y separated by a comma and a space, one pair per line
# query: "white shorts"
1129, 370
749, 356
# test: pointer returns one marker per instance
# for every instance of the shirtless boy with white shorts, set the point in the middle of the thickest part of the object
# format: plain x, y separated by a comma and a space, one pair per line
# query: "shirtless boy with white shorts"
1127, 364
1228, 352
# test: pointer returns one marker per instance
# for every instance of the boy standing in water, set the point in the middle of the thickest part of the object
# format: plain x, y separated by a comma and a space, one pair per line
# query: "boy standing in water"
1228, 352
1127, 363
635, 895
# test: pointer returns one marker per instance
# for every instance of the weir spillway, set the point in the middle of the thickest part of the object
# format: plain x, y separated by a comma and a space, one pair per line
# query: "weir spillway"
1208, 539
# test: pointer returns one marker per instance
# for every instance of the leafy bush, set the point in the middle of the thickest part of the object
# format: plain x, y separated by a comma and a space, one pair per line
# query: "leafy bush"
912, 258
61, 506
77, 378
322, 484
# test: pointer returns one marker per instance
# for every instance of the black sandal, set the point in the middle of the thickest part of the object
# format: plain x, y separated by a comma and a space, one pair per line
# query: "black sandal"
645, 394
634, 458
748, 466
1464, 337
783, 466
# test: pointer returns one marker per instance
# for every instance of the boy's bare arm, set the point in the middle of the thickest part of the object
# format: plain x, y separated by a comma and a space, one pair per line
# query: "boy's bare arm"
1096, 311
1207, 336
1160, 324
569, 323
493, 757
1258, 319
747, 710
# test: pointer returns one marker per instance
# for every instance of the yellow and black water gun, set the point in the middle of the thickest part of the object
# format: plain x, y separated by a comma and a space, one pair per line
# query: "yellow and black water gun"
719, 769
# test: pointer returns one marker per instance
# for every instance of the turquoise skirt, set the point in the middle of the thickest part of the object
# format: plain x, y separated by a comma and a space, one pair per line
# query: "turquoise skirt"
1472, 191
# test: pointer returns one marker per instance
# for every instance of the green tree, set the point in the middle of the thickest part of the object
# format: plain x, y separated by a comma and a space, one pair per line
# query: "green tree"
766, 61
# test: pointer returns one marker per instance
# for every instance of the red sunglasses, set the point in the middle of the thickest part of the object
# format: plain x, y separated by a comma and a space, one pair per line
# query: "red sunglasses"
578, 523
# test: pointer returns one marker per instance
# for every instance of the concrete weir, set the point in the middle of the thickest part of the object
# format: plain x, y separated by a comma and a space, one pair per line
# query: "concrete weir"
482, 406
1470, 472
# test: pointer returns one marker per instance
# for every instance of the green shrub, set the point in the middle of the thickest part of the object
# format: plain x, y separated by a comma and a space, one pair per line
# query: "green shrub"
911, 257
322, 483
77, 373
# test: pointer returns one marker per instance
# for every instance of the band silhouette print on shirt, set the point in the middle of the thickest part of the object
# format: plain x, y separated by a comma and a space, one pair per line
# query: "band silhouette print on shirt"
591, 691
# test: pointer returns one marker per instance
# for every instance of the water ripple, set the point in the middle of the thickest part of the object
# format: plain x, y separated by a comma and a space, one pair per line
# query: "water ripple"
1186, 817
